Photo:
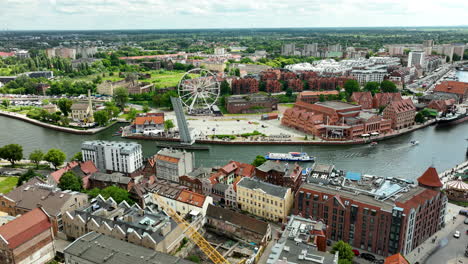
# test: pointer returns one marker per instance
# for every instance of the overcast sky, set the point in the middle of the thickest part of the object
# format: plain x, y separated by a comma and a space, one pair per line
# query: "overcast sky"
170, 14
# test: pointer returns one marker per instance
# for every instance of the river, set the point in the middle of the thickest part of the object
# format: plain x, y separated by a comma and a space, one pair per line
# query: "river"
442, 147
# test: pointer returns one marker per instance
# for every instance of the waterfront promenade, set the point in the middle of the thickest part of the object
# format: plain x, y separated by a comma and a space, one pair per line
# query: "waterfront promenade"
89, 131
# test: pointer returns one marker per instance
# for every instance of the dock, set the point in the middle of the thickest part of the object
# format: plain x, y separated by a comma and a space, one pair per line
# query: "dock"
180, 146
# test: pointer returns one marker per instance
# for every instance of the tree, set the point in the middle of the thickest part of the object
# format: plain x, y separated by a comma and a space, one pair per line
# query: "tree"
112, 109
168, 125
6, 102
225, 89
388, 87
322, 98
101, 117
36, 157
373, 87
26, 177
351, 86
132, 114
259, 160
345, 251
419, 118
65, 104
146, 108
55, 156
456, 57
121, 97
237, 72
289, 92
70, 181
12, 153
77, 157
116, 193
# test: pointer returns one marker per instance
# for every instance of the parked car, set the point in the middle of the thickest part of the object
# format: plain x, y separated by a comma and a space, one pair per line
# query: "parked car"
367, 256
379, 261
466, 221
463, 212
457, 234
356, 252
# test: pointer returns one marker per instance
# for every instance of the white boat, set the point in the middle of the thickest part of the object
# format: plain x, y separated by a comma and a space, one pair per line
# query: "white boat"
414, 142
291, 156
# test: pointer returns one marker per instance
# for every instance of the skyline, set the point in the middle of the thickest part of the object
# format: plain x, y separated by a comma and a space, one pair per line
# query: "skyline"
230, 14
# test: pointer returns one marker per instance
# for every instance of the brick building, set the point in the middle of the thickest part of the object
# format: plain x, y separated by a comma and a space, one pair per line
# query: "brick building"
296, 85
452, 87
314, 96
286, 76
254, 103
327, 83
194, 179
401, 113
334, 120
381, 215
270, 74
244, 86
442, 105
273, 86
363, 98
280, 173
384, 99
28, 239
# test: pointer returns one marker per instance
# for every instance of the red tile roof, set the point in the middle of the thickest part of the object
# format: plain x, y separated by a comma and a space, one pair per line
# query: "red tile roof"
86, 167
25, 227
460, 88
191, 198
6, 54
430, 178
312, 93
403, 105
167, 158
141, 120
396, 259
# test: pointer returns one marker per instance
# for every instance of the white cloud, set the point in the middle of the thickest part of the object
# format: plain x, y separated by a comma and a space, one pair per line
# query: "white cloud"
102, 14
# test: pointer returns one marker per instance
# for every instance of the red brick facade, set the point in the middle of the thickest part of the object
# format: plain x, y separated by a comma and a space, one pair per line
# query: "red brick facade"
401, 113
364, 99
296, 85
244, 86
273, 86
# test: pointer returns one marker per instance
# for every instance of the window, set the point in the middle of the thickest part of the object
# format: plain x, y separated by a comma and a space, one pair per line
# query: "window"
325, 197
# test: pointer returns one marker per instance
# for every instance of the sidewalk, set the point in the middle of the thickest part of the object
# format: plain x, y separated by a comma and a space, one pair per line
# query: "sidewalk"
421, 253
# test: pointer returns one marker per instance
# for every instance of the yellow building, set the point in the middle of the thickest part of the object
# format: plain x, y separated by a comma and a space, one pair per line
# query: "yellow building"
263, 199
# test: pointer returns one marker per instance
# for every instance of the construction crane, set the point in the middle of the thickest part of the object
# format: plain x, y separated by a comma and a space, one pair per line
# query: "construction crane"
191, 232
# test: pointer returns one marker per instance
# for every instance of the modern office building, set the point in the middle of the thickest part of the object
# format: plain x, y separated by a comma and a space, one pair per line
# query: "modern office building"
113, 156
416, 58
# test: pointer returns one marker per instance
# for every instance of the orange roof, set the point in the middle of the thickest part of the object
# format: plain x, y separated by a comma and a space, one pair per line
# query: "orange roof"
141, 120
191, 198
167, 158
25, 227
430, 178
396, 259
452, 87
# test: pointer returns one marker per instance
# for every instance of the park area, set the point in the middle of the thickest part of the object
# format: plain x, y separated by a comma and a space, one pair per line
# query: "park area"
7, 184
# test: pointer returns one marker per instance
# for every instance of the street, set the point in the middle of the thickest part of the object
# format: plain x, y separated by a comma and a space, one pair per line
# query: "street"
451, 249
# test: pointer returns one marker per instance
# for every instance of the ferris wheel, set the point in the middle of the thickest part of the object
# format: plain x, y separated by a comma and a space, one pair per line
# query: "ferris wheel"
198, 93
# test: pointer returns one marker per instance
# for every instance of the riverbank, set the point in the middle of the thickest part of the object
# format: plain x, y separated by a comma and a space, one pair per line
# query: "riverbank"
90, 131
321, 142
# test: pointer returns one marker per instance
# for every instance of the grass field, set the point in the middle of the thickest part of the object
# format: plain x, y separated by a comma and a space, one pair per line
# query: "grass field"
7, 184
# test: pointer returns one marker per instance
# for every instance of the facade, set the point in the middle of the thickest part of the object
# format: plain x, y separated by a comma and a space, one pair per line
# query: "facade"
310, 50
149, 123
36, 193
442, 106
81, 111
452, 87
238, 226
280, 173
29, 239
364, 99
61, 52
194, 180
401, 113
113, 156
178, 197
254, 103
369, 75
303, 241
384, 99
150, 227
288, 49
244, 86
334, 120
140, 88
263, 199
314, 96
110, 250
327, 83
416, 58
171, 164
381, 215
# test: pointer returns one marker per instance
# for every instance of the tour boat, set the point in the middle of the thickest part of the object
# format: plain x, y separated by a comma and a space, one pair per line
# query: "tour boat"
291, 156
373, 144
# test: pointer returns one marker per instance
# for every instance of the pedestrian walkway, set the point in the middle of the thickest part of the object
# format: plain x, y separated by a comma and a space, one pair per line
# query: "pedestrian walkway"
421, 253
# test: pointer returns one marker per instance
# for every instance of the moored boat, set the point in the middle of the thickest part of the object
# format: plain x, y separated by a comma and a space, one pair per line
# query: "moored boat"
291, 156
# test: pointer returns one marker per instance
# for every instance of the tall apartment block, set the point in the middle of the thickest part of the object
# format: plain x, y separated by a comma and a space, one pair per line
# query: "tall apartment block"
113, 156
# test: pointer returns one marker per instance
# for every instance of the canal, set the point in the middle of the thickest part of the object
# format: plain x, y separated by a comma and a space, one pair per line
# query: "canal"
442, 147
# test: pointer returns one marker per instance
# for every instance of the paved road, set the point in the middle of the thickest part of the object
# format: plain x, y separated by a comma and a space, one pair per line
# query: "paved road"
451, 249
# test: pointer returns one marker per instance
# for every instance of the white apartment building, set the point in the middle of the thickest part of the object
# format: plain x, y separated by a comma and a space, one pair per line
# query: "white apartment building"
369, 75
416, 58
113, 156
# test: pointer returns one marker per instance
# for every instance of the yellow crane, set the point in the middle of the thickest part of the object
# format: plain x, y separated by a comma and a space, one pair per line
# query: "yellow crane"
191, 232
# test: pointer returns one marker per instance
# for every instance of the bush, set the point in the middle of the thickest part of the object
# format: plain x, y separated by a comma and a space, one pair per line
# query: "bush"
254, 133
223, 136
194, 258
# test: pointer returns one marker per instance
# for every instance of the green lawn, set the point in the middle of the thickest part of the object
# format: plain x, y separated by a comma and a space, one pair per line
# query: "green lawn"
7, 184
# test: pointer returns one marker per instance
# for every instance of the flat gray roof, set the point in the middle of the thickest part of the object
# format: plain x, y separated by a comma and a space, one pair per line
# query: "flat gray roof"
337, 105
268, 188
